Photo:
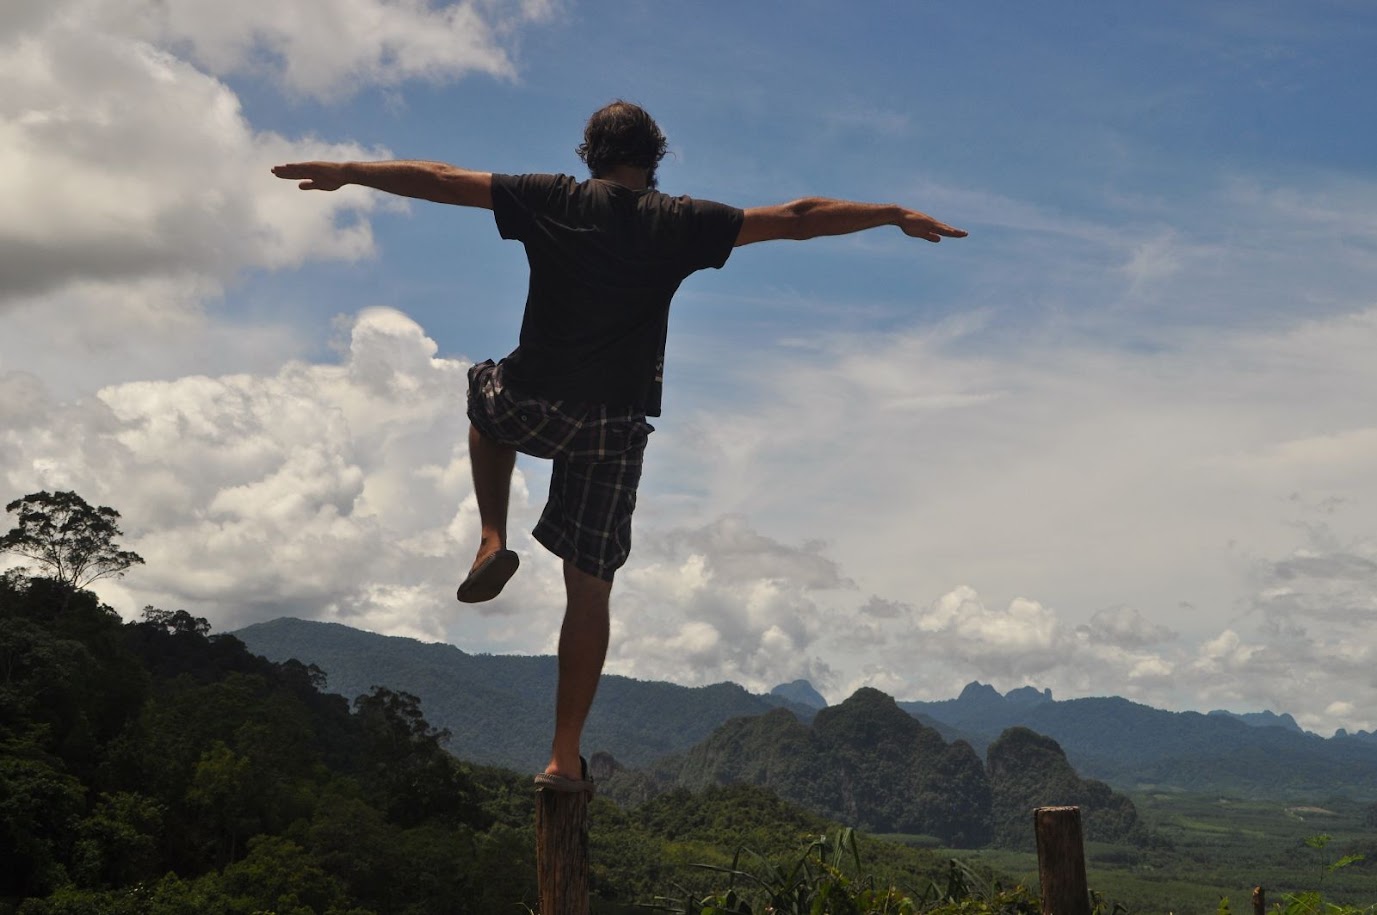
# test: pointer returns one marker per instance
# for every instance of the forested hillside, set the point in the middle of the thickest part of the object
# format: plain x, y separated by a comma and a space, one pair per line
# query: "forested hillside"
1029, 770
151, 767
154, 768
499, 708
868, 763
864, 763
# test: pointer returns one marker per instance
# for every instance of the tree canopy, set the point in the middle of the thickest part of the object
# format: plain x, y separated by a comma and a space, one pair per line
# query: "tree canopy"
71, 539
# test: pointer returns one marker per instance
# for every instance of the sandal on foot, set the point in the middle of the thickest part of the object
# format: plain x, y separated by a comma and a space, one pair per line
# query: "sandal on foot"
566, 785
489, 577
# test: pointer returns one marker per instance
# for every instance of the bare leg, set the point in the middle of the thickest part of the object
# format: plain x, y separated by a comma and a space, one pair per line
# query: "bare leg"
582, 650
492, 486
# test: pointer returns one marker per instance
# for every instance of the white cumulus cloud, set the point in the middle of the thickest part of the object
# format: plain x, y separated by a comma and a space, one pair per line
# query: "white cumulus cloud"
134, 188
250, 496
722, 601
123, 162
332, 48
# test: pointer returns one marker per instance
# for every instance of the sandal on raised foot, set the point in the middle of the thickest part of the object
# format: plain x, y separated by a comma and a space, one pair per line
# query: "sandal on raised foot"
489, 577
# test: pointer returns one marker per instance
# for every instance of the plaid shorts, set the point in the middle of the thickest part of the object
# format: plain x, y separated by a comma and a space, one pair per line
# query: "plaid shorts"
597, 453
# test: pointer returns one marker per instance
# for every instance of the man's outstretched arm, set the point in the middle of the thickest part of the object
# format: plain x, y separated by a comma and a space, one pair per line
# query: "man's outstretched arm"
812, 217
434, 181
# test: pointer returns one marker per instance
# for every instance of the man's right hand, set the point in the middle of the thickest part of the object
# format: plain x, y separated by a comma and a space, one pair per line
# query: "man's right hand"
320, 176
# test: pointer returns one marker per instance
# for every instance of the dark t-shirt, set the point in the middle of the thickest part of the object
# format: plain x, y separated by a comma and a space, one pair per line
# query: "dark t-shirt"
605, 262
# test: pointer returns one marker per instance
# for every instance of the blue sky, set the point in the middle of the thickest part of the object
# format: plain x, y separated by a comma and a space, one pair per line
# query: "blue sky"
1116, 441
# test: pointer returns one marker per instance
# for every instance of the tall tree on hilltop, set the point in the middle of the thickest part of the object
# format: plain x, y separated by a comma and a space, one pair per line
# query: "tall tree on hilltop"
72, 540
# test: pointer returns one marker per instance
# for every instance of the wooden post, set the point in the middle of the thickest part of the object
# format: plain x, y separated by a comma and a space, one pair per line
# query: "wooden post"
1061, 861
562, 852
1259, 901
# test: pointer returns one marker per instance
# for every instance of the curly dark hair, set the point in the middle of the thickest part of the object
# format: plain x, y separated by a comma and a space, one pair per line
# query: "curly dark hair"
622, 134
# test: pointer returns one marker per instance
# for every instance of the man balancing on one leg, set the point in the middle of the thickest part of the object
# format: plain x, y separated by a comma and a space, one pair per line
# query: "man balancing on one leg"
606, 257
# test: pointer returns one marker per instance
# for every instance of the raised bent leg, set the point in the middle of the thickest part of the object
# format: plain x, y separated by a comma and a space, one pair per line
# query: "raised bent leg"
582, 650
492, 486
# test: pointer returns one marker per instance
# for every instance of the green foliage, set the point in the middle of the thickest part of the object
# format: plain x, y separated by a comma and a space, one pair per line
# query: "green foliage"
413, 777
224, 791
153, 767
40, 804
827, 879
174, 622
640, 852
279, 876
1313, 903
117, 844
1321, 842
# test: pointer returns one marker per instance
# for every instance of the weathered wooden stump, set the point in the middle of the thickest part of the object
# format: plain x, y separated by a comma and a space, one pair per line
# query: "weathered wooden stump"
562, 852
1061, 861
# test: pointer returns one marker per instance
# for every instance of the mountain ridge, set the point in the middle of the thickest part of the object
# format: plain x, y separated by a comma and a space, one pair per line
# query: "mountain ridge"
493, 705
499, 708
868, 763
1133, 745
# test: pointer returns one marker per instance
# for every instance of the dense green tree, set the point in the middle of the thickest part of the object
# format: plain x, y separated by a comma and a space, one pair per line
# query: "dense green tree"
41, 676
224, 790
279, 876
72, 900
407, 768
504, 868
40, 805
352, 840
117, 843
64, 667
66, 686
174, 622
174, 895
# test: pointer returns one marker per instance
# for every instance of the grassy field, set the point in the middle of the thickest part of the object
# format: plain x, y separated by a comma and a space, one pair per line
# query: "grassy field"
1215, 847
